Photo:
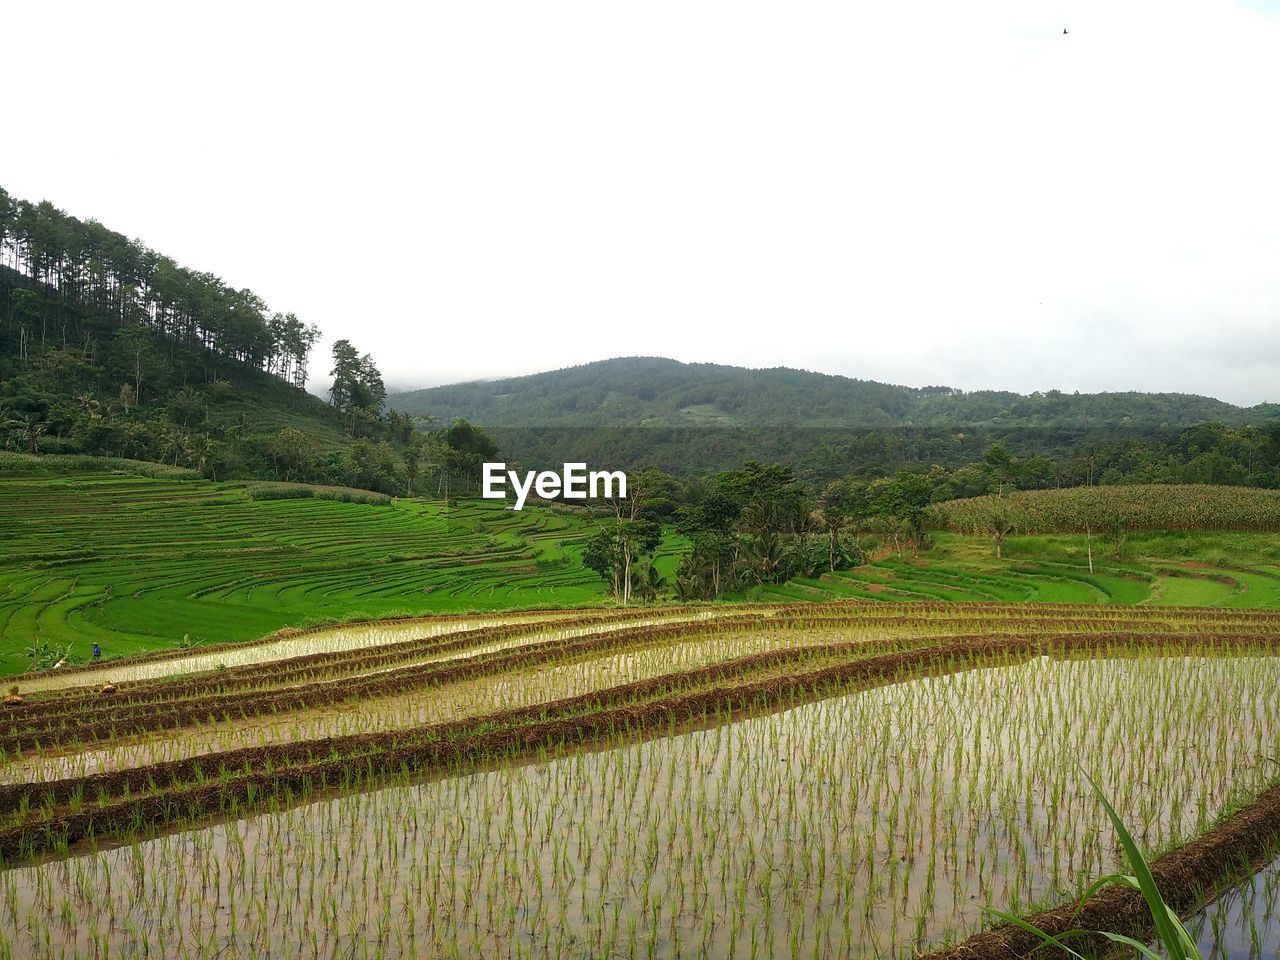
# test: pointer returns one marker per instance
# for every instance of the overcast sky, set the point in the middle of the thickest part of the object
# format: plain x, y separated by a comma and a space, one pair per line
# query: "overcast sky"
921, 193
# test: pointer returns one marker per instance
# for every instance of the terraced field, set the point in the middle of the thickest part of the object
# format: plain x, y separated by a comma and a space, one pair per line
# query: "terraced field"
137, 563
763, 780
134, 563
1209, 569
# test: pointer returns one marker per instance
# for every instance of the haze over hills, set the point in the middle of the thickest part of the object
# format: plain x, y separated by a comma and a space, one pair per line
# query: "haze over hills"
658, 392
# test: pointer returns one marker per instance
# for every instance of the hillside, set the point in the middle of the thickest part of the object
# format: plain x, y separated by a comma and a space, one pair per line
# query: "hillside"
109, 348
135, 562
696, 419
656, 392
1217, 569
130, 391
137, 556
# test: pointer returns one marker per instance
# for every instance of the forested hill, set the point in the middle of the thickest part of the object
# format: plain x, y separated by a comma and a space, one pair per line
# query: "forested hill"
110, 348
656, 392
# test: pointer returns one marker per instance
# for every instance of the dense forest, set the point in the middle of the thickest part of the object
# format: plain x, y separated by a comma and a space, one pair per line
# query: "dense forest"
1055, 456
109, 348
80, 265
695, 420
655, 392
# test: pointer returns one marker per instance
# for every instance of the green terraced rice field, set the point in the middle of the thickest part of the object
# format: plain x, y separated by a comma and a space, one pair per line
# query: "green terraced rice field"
134, 563
1240, 570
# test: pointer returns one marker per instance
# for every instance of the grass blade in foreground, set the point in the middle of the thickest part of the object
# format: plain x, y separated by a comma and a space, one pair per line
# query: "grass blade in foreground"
1172, 935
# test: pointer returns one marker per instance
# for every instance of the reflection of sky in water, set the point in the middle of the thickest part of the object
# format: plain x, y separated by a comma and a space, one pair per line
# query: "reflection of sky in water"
412, 708
876, 822
1244, 924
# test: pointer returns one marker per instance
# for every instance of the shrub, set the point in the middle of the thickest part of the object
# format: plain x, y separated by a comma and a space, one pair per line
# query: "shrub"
34, 465
305, 491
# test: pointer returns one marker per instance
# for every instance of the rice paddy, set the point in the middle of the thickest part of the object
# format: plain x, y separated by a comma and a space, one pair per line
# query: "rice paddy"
334, 729
1244, 922
138, 563
765, 780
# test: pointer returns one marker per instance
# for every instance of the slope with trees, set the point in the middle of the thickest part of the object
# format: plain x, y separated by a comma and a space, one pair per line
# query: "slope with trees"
701, 419
657, 392
108, 348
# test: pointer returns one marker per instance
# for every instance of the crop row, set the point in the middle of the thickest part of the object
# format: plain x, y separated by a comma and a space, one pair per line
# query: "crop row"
55, 814
304, 667
110, 722
348, 675
852, 817
97, 722
290, 646
134, 564
490, 683
324, 678
564, 679
1103, 509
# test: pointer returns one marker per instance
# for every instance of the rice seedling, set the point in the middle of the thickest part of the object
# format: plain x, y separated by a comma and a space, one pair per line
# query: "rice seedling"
873, 820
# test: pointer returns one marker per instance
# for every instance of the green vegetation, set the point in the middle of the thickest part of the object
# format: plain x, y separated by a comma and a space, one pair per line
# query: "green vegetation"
135, 563
1234, 570
755, 533
492, 707
1111, 509
697, 419
663, 782
656, 392
476, 731
107, 347
110, 349
138, 556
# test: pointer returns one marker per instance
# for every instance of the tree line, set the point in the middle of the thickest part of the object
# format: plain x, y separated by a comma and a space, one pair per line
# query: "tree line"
758, 524
84, 264
765, 523
107, 347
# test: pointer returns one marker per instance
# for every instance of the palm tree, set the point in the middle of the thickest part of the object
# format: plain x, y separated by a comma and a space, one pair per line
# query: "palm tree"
31, 427
173, 442
89, 406
198, 449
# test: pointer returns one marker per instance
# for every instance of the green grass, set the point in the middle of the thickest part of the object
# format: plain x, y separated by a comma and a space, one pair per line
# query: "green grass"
136, 563
99, 551
1213, 569
1187, 592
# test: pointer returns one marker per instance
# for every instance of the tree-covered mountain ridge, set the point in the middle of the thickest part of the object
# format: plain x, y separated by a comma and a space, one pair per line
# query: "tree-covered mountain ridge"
111, 349
659, 392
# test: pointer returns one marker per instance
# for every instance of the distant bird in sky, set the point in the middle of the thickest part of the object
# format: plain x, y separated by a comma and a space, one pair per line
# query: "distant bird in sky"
1064, 31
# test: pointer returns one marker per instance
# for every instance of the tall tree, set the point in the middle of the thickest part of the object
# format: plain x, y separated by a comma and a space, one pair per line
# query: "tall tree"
841, 504
78, 263
345, 373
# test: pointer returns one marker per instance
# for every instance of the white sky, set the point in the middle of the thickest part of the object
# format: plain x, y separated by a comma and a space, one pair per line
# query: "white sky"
913, 192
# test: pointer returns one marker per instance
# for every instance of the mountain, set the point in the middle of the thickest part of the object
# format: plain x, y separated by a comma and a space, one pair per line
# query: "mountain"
693, 419
657, 392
